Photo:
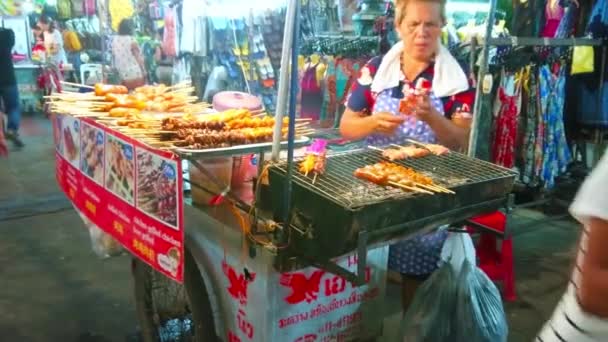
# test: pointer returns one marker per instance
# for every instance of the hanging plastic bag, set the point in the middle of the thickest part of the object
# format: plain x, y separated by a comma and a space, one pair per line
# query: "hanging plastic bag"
480, 316
582, 60
458, 303
430, 316
103, 244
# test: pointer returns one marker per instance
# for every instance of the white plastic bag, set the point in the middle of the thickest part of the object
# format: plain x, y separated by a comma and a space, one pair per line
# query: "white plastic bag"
103, 244
457, 248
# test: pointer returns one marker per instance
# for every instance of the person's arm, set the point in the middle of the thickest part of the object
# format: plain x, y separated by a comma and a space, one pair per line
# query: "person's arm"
593, 288
447, 133
137, 54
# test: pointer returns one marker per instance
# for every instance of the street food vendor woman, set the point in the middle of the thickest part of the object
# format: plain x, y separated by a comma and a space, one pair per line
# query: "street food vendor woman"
435, 116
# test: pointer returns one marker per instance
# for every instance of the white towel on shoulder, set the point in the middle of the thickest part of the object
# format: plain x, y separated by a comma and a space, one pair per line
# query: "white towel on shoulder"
449, 78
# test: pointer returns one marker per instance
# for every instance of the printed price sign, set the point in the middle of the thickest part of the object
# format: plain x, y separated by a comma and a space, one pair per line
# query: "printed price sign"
129, 190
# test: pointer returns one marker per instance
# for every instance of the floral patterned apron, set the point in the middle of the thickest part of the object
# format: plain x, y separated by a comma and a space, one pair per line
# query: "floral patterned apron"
419, 255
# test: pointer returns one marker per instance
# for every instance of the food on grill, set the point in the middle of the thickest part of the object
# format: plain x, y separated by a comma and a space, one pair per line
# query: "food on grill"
437, 150
173, 124
405, 152
316, 156
92, 153
157, 187
120, 177
104, 89
384, 173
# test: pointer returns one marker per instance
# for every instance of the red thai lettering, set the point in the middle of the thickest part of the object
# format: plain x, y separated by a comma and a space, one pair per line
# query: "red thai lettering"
334, 286
238, 284
232, 337
303, 288
306, 338
244, 326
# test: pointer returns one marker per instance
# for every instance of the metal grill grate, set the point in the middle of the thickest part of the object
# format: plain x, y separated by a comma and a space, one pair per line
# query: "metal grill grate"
339, 184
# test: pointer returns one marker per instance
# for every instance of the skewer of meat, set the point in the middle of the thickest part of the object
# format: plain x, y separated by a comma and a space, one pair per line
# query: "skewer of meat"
435, 149
376, 175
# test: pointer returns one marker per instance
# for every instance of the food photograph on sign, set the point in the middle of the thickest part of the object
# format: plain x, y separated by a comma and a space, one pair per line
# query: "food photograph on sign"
57, 132
120, 168
92, 152
157, 187
71, 140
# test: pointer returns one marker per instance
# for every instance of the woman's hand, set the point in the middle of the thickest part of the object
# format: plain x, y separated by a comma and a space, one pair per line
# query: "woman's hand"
386, 123
424, 109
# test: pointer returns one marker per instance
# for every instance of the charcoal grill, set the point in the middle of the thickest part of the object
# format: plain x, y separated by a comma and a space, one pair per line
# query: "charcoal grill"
332, 215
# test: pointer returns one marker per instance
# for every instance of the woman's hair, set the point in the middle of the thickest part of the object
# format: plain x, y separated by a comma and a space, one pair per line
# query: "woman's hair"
401, 5
125, 28
47, 21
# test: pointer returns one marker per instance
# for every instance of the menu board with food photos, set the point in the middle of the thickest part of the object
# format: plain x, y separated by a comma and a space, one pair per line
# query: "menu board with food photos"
129, 190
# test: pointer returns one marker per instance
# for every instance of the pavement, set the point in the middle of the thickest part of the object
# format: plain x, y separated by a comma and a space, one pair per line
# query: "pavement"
54, 288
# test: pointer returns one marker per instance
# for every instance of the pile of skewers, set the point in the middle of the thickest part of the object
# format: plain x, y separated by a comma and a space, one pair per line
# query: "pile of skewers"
390, 174
229, 128
115, 100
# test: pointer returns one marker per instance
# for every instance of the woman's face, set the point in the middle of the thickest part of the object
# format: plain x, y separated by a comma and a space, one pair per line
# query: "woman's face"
420, 29
43, 26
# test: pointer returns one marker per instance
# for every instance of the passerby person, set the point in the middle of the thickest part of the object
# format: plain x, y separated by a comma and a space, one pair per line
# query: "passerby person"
9, 93
582, 313
53, 41
127, 56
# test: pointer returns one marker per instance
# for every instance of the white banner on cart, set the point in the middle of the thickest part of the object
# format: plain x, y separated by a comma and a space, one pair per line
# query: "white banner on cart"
308, 305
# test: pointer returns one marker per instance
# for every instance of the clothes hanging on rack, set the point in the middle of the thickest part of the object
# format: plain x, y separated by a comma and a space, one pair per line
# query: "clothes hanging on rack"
312, 97
553, 15
556, 153
507, 108
531, 121
527, 18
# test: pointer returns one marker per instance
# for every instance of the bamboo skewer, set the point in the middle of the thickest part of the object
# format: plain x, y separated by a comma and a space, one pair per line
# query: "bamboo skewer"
411, 188
77, 85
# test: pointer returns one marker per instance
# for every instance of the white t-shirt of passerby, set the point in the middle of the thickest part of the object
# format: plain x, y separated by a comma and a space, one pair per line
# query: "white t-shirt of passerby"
569, 322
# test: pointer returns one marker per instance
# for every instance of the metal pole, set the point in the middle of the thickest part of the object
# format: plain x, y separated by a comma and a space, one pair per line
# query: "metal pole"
284, 78
483, 69
292, 110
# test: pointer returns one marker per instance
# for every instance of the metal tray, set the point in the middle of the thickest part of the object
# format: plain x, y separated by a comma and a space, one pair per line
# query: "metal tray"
237, 150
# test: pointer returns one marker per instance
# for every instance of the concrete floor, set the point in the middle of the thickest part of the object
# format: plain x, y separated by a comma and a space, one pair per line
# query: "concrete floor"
56, 289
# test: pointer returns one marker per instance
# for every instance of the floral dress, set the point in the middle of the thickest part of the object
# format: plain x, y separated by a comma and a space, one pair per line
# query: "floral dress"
419, 255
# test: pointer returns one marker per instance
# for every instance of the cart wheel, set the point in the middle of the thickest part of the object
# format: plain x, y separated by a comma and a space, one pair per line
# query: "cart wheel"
168, 311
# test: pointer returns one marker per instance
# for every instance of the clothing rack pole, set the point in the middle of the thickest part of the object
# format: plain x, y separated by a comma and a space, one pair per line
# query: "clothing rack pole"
483, 70
283, 88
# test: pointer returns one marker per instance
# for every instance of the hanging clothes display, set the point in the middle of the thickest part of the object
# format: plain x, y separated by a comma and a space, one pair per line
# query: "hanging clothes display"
553, 15
527, 18
531, 122
507, 110
119, 10
556, 153
311, 97
169, 34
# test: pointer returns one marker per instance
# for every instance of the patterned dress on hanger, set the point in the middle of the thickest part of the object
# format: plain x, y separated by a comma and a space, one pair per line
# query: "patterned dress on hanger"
528, 175
505, 128
556, 152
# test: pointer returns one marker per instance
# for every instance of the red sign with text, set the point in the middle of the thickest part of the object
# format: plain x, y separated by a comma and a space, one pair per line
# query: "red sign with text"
129, 190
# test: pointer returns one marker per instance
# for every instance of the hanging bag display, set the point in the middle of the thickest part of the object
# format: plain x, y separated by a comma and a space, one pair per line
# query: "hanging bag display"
582, 60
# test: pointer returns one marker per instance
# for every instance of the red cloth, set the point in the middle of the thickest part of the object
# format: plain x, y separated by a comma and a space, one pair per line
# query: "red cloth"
505, 134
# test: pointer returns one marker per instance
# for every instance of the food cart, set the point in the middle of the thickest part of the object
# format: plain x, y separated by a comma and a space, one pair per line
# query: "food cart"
304, 260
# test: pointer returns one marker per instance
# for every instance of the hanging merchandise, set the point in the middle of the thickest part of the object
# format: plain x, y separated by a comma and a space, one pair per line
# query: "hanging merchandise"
598, 20
64, 9
119, 10
169, 34
527, 18
556, 153
78, 8
507, 109
582, 60
89, 7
